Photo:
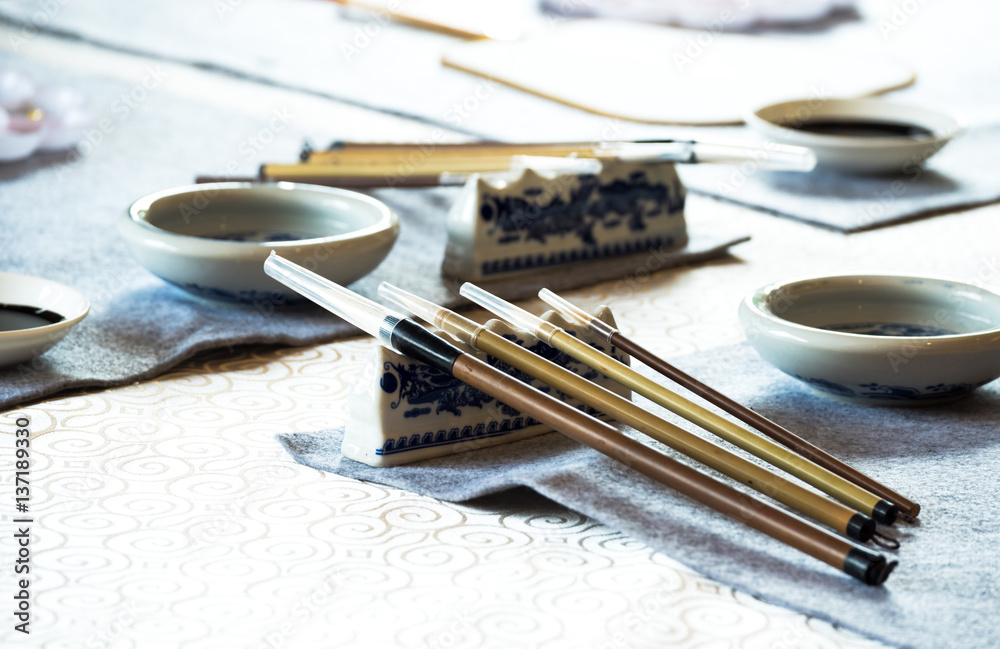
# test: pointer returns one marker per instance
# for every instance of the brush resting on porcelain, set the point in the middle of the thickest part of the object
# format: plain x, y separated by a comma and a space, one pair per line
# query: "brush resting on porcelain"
403, 410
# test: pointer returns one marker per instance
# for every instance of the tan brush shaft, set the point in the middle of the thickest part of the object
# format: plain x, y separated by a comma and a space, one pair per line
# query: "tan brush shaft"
829, 548
808, 502
357, 151
355, 182
830, 483
763, 424
388, 167
818, 507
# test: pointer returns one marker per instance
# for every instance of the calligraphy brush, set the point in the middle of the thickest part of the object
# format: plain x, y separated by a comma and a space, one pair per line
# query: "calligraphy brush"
407, 337
808, 502
349, 164
744, 414
843, 490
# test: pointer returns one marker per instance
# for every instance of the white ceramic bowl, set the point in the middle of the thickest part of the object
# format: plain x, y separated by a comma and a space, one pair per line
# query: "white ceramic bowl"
43, 313
853, 154
878, 339
212, 239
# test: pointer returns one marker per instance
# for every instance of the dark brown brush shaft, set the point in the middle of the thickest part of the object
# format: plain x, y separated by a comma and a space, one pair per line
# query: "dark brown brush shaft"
774, 431
573, 423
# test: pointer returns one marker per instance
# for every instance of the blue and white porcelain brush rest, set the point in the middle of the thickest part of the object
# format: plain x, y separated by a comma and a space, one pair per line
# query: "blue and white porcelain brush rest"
532, 219
402, 411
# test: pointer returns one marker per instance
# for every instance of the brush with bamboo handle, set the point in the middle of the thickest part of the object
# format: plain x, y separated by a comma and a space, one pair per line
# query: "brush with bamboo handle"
830, 483
813, 505
407, 337
744, 414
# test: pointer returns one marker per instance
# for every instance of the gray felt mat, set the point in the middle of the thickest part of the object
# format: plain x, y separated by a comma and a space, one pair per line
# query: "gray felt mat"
946, 590
965, 173
58, 219
307, 44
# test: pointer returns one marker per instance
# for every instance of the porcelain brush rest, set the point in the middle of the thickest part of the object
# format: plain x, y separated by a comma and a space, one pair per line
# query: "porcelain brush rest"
529, 220
403, 411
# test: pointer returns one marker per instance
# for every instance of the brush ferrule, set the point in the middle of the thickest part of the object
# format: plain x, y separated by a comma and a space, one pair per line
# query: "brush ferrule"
385, 331
575, 313
459, 327
545, 330
410, 339
601, 328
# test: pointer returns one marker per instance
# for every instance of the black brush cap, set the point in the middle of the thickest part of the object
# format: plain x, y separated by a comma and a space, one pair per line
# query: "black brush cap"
885, 512
861, 528
870, 567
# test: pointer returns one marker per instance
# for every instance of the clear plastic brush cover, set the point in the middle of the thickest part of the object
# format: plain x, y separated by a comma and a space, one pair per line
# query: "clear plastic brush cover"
371, 317
575, 313
513, 314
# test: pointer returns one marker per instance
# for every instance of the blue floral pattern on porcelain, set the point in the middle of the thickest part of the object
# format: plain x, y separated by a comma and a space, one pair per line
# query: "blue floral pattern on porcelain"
261, 236
247, 297
424, 390
531, 221
876, 391
878, 339
529, 262
891, 329
618, 203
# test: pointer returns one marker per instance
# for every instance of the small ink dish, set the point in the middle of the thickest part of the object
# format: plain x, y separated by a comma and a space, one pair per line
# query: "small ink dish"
859, 136
211, 240
878, 339
35, 314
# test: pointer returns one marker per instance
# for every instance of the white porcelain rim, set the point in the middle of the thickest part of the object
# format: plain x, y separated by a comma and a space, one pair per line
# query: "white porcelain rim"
387, 218
857, 341
68, 320
939, 138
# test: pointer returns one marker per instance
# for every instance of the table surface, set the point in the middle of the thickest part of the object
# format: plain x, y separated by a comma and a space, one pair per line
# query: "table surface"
168, 515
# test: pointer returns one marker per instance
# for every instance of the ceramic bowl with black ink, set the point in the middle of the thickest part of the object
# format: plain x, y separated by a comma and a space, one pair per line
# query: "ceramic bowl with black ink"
859, 136
878, 339
211, 240
35, 314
